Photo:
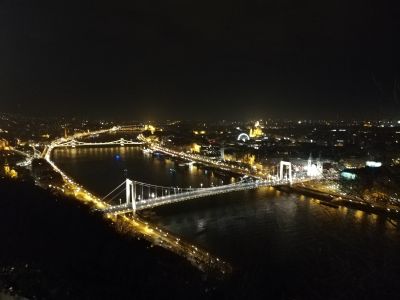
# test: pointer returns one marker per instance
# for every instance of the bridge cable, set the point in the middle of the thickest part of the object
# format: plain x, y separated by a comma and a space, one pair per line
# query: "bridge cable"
113, 191
111, 199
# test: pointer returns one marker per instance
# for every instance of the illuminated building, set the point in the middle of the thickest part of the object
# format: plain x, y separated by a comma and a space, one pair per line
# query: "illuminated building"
151, 128
13, 174
373, 164
256, 131
222, 153
195, 148
348, 175
6, 168
314, 170
250, 159
3, 144
9, 172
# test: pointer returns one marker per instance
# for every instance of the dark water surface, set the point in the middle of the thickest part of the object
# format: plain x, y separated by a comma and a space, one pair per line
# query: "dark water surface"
279, 244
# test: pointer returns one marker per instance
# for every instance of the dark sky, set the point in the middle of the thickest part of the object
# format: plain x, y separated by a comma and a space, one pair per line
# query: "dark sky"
200, 59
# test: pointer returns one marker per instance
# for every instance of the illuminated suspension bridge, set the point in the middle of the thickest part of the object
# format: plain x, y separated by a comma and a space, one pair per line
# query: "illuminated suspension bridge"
139, 195
72, 141
75, 143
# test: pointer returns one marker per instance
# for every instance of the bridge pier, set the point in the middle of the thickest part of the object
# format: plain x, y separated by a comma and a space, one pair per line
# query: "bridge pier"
289, 168
130, 194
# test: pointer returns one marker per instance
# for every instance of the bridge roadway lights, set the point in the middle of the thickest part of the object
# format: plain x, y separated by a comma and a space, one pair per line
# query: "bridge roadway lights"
170, 195
196, 194
131, 194
74, 143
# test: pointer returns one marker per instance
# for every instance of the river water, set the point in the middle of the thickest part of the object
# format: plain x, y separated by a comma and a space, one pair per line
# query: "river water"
279, 244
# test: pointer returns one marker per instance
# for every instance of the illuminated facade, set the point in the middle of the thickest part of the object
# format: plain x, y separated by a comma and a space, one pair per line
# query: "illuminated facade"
314, 170
195, 148
6, 168
3, 144
373, 164
249, 159
9, 172
348, 175
151, 128
222, 153
256, 131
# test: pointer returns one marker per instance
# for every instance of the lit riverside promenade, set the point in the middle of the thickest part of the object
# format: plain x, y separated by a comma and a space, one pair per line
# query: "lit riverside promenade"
138, 198
223, 165
198, 257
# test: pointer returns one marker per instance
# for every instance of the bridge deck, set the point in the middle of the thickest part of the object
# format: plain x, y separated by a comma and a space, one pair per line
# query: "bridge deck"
198, 193
75, 143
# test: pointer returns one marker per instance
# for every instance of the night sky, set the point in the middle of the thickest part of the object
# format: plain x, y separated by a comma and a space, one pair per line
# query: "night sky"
200, 59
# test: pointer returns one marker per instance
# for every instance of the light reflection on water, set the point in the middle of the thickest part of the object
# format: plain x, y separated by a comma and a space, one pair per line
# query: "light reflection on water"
100, 171
270, 236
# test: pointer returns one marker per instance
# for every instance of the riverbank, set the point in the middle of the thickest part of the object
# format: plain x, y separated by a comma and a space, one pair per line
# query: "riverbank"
279, 247
200, 258
54, 247
224, 166
6, 296
336, 201
197, 257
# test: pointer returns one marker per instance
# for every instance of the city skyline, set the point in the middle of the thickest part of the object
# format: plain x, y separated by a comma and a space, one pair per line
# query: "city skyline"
207, 198
199, 149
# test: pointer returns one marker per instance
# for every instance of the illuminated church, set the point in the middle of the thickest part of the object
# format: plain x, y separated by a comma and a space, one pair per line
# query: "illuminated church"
314, 169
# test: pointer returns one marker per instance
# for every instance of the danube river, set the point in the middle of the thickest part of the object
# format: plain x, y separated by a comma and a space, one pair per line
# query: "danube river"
275, 241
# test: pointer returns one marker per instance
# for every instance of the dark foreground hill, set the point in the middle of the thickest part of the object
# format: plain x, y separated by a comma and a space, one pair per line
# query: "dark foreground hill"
53, 247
